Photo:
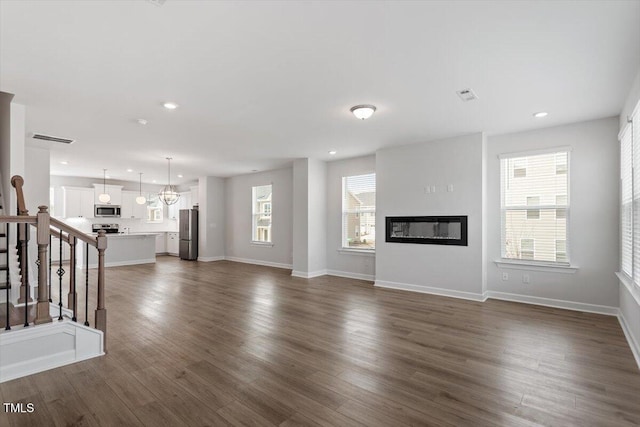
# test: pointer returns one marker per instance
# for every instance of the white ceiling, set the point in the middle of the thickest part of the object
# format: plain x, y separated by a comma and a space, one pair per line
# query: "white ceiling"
261, 83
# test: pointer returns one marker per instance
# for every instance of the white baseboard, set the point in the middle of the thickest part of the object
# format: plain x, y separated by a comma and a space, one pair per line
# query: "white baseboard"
555, 303
309, 275
430, 290
350, 275
259, 262
633, 343
210, 258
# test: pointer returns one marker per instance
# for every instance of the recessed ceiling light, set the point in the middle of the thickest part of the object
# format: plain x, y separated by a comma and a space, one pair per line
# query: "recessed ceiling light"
363, 111
143, 121
64, 162
170, 105
129, 170
540, 114
332, 152
108, 176
180, 176
154, 181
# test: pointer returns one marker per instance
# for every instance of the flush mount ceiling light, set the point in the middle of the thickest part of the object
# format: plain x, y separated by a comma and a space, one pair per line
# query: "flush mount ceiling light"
170, 105
540, 114
169, 194
141, 200
104, 197
363, 111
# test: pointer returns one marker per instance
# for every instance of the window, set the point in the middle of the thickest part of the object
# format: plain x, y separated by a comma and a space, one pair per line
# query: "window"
527, 249
533, 226
155, 209
261, 213
561, 250
520, 168
533, 213
630, 198
359, 211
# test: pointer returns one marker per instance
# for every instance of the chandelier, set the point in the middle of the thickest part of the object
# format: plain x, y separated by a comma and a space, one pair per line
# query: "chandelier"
169, 194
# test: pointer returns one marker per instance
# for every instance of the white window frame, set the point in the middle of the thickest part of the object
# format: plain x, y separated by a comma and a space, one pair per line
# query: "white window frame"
549, 265
257, 214
631, 279
345, 248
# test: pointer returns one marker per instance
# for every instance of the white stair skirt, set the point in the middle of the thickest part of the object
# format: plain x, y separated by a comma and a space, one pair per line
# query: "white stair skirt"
27, 351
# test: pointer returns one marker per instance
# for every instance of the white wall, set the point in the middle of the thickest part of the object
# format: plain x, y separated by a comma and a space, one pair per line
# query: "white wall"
309, 218
342, 263
593, 216
317, 218
401, 175
5, 150
238, 225
36, 178
630, 296
211, 218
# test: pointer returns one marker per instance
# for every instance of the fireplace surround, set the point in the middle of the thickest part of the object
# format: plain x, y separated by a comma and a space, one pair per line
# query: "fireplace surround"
429, 230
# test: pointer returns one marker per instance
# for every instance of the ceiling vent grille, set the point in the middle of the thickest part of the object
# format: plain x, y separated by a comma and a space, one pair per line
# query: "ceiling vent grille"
157, 2
51, 138
467, 95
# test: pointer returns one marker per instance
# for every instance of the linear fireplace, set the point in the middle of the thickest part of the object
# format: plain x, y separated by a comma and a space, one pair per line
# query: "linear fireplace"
432, 230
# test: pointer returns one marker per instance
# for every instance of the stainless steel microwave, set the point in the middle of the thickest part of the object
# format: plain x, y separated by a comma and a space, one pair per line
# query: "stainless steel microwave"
103, 211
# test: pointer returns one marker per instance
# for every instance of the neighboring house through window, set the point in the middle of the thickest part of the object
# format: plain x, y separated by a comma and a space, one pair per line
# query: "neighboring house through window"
261, 213
359, 211
535, 205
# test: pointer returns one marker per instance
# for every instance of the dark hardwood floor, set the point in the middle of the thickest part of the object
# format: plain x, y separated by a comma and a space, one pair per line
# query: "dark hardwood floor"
225, 343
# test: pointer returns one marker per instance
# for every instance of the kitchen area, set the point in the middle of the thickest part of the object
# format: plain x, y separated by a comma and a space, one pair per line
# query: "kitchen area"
139, 226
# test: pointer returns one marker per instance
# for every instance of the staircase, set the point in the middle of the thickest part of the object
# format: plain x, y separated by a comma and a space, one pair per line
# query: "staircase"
38, 334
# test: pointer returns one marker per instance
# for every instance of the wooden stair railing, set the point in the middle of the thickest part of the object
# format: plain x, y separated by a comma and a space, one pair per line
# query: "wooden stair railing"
46, 228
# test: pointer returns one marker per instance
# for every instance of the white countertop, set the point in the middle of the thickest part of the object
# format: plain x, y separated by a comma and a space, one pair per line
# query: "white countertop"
119, 235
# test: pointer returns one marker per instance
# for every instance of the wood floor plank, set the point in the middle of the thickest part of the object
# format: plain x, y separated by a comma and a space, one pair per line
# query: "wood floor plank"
223, 343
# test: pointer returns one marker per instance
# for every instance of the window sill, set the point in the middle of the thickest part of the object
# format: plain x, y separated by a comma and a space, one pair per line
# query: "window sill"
538, 266
265, 244
628, 283
361, 252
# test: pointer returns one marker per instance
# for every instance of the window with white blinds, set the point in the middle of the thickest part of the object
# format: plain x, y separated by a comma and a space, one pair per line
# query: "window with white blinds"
359, 211
630, 198
535, 206
261, 213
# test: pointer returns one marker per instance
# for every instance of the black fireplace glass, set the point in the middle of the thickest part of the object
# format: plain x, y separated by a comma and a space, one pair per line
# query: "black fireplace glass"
433, 230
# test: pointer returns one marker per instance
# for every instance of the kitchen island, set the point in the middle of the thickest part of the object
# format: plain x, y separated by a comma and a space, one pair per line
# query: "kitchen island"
122, 249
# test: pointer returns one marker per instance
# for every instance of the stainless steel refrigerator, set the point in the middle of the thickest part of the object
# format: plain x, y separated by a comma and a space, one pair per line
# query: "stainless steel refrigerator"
189, 234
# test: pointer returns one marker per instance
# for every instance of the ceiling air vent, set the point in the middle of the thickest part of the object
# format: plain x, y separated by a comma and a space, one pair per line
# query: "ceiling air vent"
467, 94
51, 138
157, 2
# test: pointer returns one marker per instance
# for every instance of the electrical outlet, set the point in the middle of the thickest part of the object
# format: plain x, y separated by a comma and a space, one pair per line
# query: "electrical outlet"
505, 276
526, 278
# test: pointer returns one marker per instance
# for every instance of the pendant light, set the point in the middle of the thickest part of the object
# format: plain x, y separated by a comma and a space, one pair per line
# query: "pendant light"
104, 197
141, 200
169, 195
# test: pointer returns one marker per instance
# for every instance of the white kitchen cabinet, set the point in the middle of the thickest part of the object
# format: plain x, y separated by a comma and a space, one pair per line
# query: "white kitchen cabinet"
173, 243
194, 196
55, 253
114, 191
77, 202
130, 208
184, 202
161, 243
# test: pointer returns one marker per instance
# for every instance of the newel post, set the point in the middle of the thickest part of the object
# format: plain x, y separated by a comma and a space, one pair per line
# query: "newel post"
101, 311
22, 239
42, 307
